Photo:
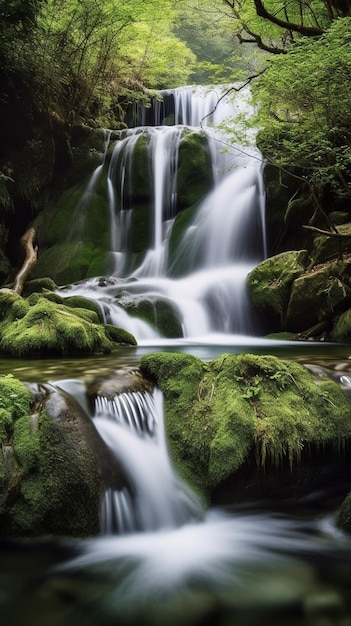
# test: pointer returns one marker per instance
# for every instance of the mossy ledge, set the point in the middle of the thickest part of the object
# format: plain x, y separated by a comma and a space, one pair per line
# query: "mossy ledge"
44, 325
242, 410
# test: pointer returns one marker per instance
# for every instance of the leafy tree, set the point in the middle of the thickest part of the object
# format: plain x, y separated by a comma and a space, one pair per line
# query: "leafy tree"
273, 25
208, 32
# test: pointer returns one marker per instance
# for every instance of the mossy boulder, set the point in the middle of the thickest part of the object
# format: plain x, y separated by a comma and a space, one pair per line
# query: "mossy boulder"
140, 234
194, 176
270, 282
342, 328
74, 237
284, 215
88, 146
327, 248
39, 327
318, 294
241, 409
49, 478
157, 311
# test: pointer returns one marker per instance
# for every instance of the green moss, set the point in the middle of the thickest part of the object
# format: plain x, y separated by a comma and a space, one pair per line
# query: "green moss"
178, 263
26, 444
86, 155
317, 295
74, 237
284, 336
327, 248
60, 486
39, 285
194, 176
342, 328
74, 302
140, 232
15, 403
49, 328
160, 313
246, 407
119, 335
15, 398
270, 282
139, 177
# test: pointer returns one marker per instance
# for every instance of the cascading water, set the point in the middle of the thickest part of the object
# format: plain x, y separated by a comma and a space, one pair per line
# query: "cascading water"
160, 551
196, 279
131, 424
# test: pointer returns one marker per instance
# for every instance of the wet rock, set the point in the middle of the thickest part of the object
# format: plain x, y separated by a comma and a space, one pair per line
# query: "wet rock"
54, 466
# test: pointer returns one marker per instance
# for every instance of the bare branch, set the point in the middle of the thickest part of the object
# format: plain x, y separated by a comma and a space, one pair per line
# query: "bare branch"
327, 233
30, 259
233, 88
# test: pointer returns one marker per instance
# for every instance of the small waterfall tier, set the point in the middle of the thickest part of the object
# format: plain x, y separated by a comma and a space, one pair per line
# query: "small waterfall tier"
186, 214
131, 424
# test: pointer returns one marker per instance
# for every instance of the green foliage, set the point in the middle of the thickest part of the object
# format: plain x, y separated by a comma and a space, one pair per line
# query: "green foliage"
15, 398
207, 30
274, 25
304, 109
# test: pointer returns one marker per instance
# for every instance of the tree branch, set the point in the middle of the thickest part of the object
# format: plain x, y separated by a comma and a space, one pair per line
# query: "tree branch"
30, 259
327, 233
247, 82
309, 31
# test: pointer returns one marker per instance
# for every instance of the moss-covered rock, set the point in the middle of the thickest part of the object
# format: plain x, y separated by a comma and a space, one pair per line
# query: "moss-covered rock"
38, 327
140, 234
317, 295
244, 408
158, 312
194, 176
39, 285
74, 237
87, 150
178, 262
327, 248
342, 328
270, 282
49, 479
284, 216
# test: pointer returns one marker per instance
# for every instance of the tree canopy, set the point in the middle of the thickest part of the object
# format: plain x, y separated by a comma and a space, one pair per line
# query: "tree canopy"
304, 108
273, 25
302, 91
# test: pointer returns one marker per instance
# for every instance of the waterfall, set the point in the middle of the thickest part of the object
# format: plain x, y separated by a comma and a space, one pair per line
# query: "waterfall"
196, 278
131, 424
